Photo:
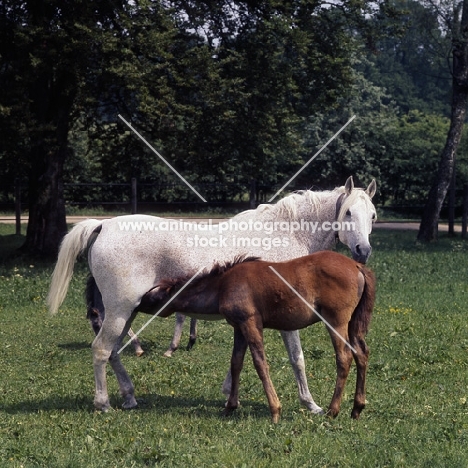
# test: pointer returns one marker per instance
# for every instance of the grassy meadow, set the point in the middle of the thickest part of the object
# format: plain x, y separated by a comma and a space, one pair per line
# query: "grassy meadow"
417, 391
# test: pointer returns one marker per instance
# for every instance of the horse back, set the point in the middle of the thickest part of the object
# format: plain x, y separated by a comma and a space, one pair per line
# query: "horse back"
285, 295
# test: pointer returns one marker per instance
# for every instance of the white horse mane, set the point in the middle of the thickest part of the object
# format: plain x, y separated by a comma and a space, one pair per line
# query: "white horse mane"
289, 204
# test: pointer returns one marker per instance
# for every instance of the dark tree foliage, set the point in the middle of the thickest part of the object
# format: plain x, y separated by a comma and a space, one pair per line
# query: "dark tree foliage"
221, 88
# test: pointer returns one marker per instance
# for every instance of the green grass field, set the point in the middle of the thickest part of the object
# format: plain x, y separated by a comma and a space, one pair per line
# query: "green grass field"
417, 412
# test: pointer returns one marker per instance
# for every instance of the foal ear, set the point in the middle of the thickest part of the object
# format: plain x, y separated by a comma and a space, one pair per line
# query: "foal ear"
349, 185
372, 188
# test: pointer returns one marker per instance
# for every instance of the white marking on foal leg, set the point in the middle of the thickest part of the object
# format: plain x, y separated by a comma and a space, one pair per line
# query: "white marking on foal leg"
292, 342
180, 319
136, 343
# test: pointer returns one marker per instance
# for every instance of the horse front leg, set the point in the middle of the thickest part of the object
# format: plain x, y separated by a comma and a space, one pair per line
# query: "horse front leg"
237, 362
292, 342
343, 357
180, 319
105, 348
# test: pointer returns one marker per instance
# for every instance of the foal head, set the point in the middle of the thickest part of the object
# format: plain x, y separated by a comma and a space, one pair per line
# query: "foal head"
356, 213
199, 296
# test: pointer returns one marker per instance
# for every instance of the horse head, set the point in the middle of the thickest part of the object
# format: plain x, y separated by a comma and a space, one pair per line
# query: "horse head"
356, 214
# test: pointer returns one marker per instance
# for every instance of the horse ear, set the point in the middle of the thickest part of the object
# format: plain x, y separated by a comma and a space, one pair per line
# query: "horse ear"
349, 185
372, 188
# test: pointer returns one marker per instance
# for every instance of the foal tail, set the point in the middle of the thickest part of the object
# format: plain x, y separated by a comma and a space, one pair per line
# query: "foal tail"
72, 245
360, 320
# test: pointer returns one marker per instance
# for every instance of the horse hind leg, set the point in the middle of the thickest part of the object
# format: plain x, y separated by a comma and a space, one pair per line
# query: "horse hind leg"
237, 362
180, 319
344, 357
292, 343
105, 349
96, 313
255, 342
361, 357
193, 333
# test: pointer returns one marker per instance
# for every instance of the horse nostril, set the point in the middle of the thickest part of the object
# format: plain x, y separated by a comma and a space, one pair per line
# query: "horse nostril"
358, 249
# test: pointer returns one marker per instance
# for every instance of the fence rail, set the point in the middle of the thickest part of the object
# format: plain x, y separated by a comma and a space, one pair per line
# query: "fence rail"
137, 197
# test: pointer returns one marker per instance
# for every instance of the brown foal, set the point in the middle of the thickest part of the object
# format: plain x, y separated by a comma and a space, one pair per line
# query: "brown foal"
252, 295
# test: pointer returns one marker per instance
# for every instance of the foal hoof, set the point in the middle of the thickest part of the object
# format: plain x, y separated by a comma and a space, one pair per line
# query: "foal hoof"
228, 412
139, 352
275, 418
168, 353
356, 413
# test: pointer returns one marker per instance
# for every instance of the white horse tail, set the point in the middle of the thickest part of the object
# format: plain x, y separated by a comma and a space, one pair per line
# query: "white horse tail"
75, 242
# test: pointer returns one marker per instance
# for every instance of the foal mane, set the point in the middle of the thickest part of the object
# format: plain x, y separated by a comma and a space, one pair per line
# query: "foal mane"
171, 285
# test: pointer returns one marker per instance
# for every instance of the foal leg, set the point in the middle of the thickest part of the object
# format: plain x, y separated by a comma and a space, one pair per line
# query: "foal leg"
292, 342
136, 342
237, 362
180, 319
254, 337
361, 357
193, 333
344, 357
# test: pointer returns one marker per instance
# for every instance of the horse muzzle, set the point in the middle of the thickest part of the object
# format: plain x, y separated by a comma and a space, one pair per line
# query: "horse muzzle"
361, 253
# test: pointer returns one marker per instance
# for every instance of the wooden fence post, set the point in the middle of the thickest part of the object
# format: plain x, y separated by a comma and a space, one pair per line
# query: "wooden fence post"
134, 195
18, 205
465, 211
252, 195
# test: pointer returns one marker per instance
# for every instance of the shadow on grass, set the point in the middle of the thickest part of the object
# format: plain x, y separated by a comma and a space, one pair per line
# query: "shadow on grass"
150, 402
74, 346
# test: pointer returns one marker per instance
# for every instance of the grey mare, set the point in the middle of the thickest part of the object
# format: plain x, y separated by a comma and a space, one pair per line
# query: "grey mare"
128, 255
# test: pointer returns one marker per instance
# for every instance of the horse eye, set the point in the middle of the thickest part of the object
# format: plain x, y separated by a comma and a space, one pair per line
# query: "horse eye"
348, 213
373, 216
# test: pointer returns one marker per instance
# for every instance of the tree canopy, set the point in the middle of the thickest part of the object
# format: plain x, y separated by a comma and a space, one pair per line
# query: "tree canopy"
227, 91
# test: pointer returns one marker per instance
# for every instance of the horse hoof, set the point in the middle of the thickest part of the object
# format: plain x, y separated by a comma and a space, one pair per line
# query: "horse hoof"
103, 407
228, 411
168, 353
275, 418
139, 352
129, 402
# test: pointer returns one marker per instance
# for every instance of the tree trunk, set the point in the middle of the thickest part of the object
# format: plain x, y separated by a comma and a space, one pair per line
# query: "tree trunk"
452, 201
465, 212
52, 97
428, 228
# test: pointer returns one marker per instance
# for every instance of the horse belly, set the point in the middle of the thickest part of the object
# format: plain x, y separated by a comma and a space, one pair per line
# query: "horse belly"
289, 320
209, 317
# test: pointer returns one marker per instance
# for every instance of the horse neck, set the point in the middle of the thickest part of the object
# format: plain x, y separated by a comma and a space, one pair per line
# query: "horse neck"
311, 218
